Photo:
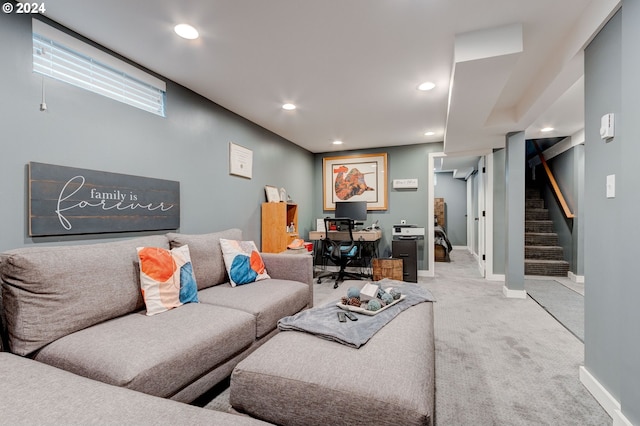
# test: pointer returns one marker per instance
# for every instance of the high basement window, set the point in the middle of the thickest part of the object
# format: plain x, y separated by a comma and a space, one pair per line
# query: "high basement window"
63, 57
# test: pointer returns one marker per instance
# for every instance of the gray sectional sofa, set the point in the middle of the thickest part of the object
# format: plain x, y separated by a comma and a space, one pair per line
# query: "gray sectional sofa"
79, 308
33, 393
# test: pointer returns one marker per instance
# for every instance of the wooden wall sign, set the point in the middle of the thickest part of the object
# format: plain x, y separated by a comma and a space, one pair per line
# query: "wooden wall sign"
67, 201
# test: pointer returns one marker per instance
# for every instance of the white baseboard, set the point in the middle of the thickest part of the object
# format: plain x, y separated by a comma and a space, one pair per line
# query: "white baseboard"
620, 420
604, 398
576, 278
495, 277
426, 273
514, 294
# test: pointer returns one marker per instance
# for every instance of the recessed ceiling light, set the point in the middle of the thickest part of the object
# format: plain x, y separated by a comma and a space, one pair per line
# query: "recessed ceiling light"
289, 107
429, 133
337, 142
547, 129
427, 85
186, 31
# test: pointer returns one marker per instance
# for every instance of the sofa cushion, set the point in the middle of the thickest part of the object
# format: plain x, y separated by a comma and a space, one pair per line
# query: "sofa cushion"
206, 255
243, 262
34, 393
166, 278
267, 300
158, 355
49, 292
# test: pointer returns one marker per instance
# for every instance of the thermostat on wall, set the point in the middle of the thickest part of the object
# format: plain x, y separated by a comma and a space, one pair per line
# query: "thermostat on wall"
607, 128
405, 183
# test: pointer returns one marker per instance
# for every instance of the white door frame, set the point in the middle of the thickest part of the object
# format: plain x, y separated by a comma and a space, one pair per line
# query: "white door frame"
430, 210
482, 182
430, 203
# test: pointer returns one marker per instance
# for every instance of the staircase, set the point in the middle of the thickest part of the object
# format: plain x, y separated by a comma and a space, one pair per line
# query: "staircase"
542, 255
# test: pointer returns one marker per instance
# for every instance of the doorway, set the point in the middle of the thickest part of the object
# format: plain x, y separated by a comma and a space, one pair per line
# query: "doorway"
464, 166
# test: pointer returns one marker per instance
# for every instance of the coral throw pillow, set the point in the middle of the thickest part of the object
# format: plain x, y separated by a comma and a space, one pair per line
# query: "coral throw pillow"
243, 262
166, 278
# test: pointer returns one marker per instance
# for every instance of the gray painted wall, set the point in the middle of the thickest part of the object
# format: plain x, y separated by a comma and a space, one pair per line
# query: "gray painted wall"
612, 317
628, 185
562, 167
578, 221
190, 145
514, 214
499, 209
403, 162
454, 192
568, 170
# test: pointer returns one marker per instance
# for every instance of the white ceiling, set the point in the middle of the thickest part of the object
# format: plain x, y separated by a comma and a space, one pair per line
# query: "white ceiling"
352, 66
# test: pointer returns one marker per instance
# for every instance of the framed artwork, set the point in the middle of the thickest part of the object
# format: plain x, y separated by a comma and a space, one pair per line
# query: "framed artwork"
240, 161
355, 178
272, 193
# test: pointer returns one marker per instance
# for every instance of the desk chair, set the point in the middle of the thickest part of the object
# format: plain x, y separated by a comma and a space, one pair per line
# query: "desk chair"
342, 253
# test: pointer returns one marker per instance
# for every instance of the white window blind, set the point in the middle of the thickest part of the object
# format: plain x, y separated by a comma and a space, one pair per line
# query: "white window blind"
78, 67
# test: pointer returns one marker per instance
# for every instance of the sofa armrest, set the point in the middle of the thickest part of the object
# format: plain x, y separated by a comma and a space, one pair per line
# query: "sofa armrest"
291, 267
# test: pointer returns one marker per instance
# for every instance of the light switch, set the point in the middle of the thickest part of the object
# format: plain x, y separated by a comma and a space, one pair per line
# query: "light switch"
611, 186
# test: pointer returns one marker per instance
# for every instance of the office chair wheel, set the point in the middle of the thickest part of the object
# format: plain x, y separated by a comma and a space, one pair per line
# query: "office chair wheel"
319, 281
336, 284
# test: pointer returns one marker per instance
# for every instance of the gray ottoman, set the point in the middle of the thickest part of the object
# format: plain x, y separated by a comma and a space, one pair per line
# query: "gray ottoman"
299, 379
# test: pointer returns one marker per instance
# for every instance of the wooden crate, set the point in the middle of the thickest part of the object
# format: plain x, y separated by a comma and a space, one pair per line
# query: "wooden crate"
440, 253
387, 268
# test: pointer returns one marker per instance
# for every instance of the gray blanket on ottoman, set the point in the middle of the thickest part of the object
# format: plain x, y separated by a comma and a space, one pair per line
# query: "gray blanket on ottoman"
323, 321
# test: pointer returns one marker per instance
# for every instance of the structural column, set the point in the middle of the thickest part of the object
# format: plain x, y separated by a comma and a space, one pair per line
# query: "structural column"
514, 215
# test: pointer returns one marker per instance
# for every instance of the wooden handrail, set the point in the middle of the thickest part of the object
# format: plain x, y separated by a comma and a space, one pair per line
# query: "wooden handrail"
554, 184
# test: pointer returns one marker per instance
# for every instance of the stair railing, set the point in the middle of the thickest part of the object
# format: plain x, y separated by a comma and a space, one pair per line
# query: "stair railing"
554, 184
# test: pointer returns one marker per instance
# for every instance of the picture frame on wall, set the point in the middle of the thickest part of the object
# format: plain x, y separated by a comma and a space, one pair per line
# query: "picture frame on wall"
272, 193
360, 177
240, 161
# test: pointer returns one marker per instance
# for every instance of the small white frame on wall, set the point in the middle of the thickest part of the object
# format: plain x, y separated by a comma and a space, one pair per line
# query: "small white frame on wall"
240, 161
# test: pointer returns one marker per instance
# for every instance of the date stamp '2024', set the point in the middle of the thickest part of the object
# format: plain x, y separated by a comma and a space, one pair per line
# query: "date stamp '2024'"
23, 8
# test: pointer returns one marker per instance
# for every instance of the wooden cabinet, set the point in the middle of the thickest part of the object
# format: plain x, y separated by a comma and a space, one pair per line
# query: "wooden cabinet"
276, 217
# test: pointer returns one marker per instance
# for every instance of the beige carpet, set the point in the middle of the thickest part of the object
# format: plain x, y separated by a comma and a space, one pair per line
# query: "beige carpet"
498, 361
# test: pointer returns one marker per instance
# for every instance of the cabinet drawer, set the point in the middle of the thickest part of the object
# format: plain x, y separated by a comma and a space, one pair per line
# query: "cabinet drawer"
407, 250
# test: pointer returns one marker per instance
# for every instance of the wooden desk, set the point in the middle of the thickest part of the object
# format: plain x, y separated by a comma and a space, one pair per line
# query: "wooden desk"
373, 235
366, 240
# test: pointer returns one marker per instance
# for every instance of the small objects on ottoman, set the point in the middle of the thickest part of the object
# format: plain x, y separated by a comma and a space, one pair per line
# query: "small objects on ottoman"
387, 298
353, 292
369, 291
350, 301
374, 305
395, 293
372, 298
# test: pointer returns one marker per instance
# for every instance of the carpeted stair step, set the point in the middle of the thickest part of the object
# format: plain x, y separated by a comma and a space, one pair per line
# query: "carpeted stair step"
553, 268
540, 239
532, 193
543, 252
533, 203
538, 226
536, 214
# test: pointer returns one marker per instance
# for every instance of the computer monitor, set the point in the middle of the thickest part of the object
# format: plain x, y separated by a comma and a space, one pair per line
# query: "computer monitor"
355, 210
